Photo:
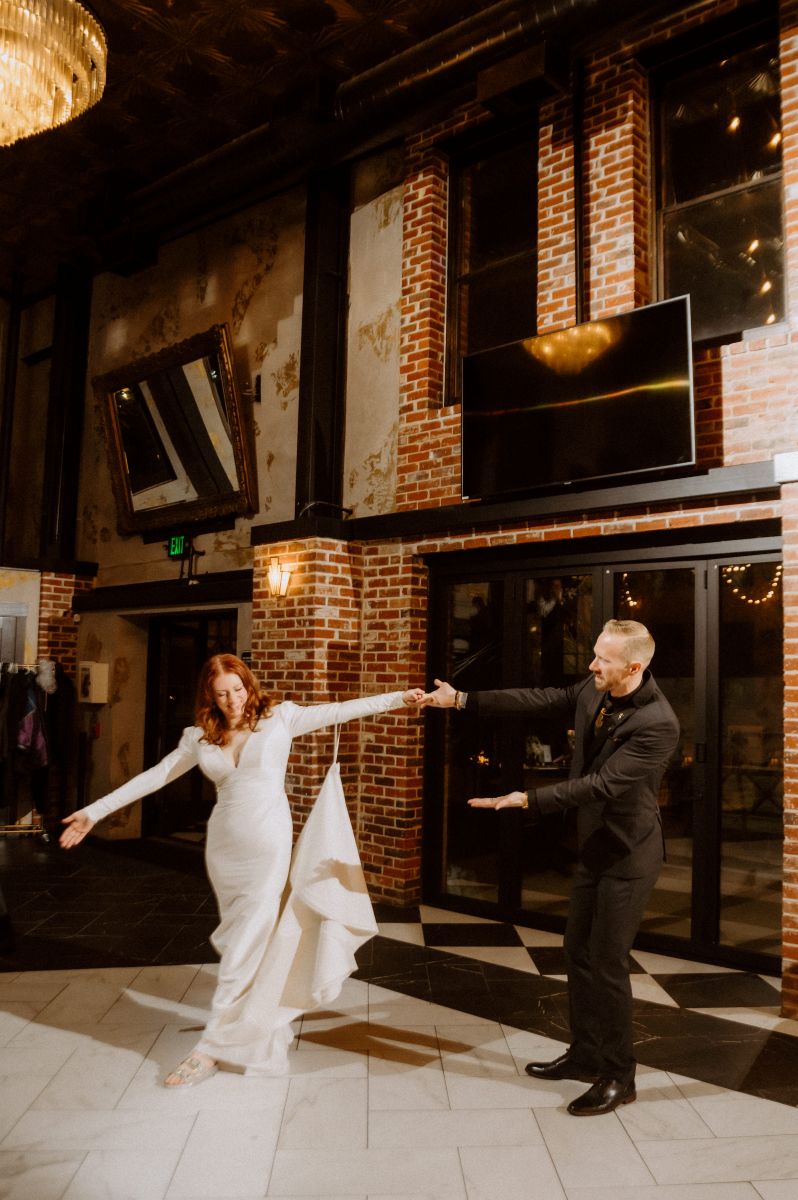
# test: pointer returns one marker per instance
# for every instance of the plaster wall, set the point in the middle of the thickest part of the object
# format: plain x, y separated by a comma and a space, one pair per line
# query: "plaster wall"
114, 732
372, 380
246, 271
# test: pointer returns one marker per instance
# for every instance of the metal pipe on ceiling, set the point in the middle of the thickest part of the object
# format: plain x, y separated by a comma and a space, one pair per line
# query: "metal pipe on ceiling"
381, 103
453, 56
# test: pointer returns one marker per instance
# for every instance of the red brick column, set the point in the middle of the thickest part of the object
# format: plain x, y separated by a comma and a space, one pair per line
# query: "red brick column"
306, 647
428, 452
58, 633
352, 624
616, 138
394, 655
790, 894
788, 57
556, 266
58, 640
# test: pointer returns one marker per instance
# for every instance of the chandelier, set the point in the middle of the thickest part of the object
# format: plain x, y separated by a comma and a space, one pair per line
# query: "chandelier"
568, 351
52, 65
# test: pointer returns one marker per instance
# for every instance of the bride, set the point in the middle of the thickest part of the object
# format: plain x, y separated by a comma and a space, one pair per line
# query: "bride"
272, 945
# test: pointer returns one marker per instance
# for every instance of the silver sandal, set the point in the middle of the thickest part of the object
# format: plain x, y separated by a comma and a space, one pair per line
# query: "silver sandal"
191, 1072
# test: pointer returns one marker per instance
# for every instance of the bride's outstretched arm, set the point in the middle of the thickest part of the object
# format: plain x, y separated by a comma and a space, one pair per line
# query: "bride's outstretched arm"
176, 763
317, 716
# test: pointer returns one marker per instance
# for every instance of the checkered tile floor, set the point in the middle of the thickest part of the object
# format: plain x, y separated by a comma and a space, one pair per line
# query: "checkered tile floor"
722, 992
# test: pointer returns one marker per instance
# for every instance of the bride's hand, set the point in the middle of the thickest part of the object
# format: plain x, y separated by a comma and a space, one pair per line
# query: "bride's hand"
413, 697
77, 826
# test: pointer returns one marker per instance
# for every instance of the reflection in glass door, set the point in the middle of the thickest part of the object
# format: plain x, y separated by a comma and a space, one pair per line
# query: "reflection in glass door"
557, 644
751, 685
664, 600
472, 749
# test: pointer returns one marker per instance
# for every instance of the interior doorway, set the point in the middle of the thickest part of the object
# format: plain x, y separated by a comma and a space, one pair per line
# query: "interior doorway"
178, 646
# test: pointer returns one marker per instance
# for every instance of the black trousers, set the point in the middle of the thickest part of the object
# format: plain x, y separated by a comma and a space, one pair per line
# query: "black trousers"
603, 917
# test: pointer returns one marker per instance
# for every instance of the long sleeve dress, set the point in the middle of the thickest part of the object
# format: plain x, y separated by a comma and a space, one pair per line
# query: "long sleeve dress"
284, 948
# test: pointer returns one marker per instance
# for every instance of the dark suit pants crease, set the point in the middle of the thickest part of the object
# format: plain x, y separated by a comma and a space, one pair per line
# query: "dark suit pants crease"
603, 917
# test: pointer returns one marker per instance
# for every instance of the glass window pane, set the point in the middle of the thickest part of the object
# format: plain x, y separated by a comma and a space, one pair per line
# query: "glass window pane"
498, 305
471, 749
499, 207
727, 253
722, 125
557, 649
558, 634
664, 600
751, 710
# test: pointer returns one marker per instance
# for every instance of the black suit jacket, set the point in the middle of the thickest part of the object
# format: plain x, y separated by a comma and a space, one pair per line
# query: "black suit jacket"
618, 821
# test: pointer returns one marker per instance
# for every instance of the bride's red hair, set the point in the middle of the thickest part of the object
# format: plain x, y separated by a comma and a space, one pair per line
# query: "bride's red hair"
209, 718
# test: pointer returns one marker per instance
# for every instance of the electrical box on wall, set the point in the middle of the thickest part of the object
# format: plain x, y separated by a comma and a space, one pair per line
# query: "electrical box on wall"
93, 682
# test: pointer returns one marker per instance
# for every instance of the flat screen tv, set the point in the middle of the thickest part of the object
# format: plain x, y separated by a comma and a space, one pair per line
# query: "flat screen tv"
604, 399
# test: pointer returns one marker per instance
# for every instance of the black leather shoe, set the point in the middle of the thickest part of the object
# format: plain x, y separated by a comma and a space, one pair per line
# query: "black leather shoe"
603, 1097
563, 1067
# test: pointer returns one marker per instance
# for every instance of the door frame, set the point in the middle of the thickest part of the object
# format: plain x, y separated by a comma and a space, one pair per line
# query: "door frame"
154, 747
606, 556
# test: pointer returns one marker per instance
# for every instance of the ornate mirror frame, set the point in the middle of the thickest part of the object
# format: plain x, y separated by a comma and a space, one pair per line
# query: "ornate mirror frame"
178, 436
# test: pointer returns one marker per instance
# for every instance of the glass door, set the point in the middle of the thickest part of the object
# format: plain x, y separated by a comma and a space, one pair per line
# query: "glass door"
750, 738
717, 623
664, 599
471, 761
557, 648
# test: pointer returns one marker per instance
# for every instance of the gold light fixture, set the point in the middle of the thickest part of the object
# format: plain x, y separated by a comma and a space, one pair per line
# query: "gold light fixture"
568, 351
279, 578
52, 65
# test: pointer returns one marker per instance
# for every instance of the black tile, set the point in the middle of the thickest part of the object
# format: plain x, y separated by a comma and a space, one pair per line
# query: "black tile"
722, 989
550, 960
453, 933
386, 914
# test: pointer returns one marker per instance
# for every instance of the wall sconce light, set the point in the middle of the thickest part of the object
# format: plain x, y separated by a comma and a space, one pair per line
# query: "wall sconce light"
279, 578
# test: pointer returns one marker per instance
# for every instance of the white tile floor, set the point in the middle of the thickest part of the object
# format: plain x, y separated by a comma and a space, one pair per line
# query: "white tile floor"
387, 1096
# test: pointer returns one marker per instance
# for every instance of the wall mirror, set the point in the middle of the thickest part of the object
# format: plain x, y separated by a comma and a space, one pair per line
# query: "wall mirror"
179, 438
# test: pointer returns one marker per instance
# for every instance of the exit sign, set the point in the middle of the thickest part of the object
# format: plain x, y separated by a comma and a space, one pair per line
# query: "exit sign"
177, 546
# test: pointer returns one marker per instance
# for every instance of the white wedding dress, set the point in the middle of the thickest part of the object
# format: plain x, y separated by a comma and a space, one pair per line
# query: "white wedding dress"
286, 946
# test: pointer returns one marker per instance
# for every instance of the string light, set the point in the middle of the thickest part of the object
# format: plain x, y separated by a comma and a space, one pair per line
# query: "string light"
734, 577
775, 141
626, 596
734, 124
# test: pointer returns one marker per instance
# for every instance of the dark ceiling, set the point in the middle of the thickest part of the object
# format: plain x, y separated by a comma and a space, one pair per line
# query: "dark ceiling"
186, 77
210, 102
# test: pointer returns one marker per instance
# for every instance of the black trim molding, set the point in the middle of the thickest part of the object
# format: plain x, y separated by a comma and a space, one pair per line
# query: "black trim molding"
224, 587
722, 483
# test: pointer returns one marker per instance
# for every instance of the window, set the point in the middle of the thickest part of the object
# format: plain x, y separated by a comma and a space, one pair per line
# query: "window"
493, 238
720, 218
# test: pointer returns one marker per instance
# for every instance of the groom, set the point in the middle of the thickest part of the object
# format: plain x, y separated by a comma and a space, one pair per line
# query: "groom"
626, 734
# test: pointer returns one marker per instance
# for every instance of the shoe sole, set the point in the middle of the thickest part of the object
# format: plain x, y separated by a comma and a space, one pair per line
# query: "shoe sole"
557, 1078
600, 1112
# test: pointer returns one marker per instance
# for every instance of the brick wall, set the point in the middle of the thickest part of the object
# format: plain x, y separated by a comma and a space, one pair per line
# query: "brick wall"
790, 892
58, 632
351, 627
